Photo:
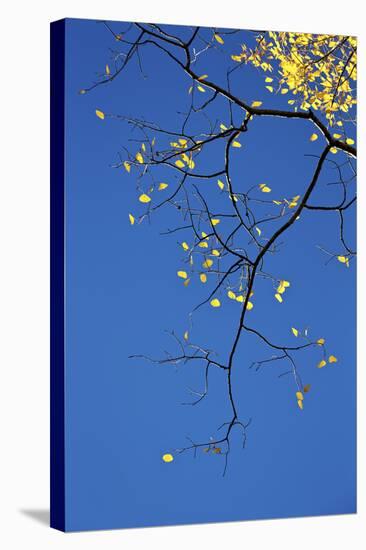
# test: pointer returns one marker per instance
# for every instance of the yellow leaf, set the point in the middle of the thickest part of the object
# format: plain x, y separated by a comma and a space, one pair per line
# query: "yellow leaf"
231, 295
256, 103
349, 141
204, 235
186, 282
337, 136
182, 141
307, 388
215, 252
268, 79
258, 231
313, 137
295, 332
207, 263
320, 342
162, 186
332, 359
279, 298
333, 150
186, 335
277, 202
300, 404
218, 38
264, 188
100, 114
182, 274
144, 198
299, 395
203, 244
220, 184
217, 450
291, 101
240, 299
131, 218
185, 246
236, 144
284, 91
107, 70
168, 457
343, 259
249, 306
143, 147
200, 89
202, 77
215, 302
179, 163
203, 277
270, 88
127, 166
322, 364
215, 221
139, 158
223, 127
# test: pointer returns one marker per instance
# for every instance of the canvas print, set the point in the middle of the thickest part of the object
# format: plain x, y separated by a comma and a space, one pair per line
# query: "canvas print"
203, 202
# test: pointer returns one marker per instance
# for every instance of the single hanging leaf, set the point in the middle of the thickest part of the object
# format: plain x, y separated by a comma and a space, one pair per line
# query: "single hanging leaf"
300, 404
144, 198
313, 137
179, 163
215, 302
131, 218
168, 457
220, 184
182, 274
231, 295
162, 186
256, 103
264, 188
127, 166
100, 114
320, 341
218, 38
299, 395
249, 306
321, 364
350, 141
185, 246
203, 277
207, 263
139, 158
295, 332
201, 89
279, 298
332, 359
215, 221
107, 70
186, 335
236, 144
307, 388
203, 244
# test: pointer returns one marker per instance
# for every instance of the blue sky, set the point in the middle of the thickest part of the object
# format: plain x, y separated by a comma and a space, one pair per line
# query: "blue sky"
123, 294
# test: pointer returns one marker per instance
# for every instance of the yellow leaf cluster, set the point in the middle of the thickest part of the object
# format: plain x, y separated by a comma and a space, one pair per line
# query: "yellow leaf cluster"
320, 70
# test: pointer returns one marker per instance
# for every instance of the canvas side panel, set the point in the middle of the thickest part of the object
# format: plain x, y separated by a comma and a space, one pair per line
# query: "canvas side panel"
57, 276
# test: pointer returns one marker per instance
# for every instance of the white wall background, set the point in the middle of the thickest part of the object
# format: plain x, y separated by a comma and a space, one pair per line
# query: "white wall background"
24, 273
